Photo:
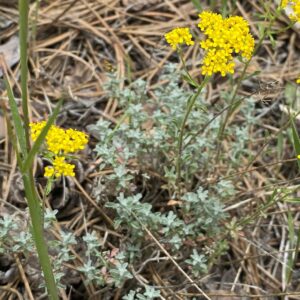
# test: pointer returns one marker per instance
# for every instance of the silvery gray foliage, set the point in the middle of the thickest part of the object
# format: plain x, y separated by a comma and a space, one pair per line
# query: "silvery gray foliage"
7, 224
101, 269
149, 294
120, 273
149, 129
206, 209
49, 217
198, 263
92, 273
17, 238
145, 139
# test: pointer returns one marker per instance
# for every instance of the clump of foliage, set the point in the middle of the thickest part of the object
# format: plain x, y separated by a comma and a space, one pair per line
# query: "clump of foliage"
140, 151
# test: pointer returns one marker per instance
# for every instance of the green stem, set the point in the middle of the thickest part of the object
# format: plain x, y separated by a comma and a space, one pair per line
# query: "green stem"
38, 234
35, 22
23, 32
189, 77
190, 106
120, 122
235, 92
231, 107
32, 197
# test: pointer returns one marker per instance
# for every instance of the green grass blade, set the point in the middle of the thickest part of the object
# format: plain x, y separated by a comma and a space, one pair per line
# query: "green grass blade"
23, 33
293, 200
17, 121
296, 141
197, 4
291, 229
13, 138
39, 141
290, 260
280, 146
296, 253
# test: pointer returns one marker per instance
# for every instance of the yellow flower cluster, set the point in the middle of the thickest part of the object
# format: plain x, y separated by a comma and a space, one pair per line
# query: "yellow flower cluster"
224, 37
179, 36
60, 167
295, 6
298, 80
60, 142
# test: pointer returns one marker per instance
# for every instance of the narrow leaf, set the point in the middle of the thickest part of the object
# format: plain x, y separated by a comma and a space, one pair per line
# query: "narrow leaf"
13, 139
280, 145
189, 80
291, 229
39, 141
197, 4
296, 141
290, 260
292, 200
18, 124
251, 75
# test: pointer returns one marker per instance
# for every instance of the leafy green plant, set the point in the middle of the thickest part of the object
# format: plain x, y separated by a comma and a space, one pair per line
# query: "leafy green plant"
198, 263
145, 142
149, 294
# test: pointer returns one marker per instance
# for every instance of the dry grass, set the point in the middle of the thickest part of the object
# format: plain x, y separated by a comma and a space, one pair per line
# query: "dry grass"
76, 43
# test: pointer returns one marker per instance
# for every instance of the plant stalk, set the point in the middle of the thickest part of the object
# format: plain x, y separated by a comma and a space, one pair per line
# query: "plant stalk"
23, 33
190, 106
237, 87
32, 197
36, 215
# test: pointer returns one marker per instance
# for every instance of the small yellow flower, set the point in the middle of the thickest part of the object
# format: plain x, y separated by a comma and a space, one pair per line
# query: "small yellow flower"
224, 37
284, 3
36, 129
298, 156
298, 80
295, 6
49, 171
59, 142
63, 168
179, 36
60, 167
55, 138
75, 140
